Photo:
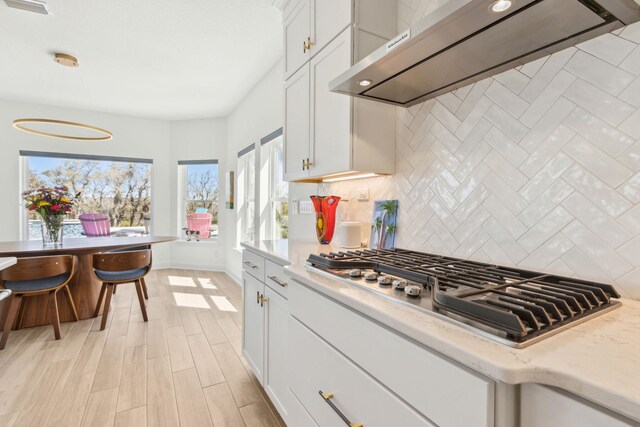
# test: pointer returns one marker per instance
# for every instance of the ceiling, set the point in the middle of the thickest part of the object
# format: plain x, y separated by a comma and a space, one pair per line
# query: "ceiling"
165, 59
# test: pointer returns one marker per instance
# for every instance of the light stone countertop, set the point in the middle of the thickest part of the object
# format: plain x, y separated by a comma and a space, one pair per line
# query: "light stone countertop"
597, 360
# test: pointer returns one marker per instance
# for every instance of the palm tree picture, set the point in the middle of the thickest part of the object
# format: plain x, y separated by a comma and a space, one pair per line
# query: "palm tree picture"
384, 224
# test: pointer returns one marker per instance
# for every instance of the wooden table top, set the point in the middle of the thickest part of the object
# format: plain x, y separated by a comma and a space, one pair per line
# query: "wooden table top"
78, 245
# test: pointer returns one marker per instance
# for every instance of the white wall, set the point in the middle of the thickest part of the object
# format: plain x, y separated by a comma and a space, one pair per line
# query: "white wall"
133, 137
197, 140
538, 167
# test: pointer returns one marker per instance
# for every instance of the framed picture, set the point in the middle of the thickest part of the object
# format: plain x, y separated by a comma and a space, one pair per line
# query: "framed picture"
229, 185
384, 224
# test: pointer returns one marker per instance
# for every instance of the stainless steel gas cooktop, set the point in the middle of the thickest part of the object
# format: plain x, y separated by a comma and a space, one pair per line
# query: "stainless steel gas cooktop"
512, 306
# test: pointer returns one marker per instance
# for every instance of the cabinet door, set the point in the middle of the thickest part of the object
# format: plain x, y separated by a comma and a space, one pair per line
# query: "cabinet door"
330, 112
253, 337
276, 372
330, 18
297, 30
296, 125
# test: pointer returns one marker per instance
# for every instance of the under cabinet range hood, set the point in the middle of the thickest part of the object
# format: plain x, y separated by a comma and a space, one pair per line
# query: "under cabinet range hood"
465, 41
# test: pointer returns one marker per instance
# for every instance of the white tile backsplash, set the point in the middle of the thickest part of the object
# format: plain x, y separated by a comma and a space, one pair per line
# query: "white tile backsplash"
538, 167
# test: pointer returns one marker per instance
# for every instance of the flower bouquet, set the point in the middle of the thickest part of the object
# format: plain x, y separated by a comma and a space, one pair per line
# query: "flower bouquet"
52, 204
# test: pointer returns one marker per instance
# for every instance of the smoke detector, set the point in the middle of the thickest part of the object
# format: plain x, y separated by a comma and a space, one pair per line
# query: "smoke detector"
36, 6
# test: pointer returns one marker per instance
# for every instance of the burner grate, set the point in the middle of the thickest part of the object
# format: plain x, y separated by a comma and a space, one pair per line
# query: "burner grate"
520, 303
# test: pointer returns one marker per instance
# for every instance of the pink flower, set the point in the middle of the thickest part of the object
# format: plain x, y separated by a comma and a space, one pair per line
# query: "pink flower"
56, 207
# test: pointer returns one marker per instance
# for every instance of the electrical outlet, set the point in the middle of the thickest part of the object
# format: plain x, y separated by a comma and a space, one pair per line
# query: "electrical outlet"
305, 207
293, 207
362, 194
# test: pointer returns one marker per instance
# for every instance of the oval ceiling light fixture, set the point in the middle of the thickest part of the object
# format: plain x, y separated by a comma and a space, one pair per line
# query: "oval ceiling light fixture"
101, 134
500, 6
365, 82
25, 125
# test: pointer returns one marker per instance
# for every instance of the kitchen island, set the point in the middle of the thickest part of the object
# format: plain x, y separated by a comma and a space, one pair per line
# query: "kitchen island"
595, 361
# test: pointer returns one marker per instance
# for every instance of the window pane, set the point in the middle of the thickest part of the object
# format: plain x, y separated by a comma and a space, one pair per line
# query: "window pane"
281, 230
121, 190
280, 186
201, 201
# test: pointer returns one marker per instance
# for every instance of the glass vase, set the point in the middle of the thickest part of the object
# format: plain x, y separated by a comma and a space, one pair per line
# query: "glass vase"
325, 207
52, 230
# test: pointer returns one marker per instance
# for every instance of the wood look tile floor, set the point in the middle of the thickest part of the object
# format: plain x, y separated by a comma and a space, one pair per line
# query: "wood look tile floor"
184, 367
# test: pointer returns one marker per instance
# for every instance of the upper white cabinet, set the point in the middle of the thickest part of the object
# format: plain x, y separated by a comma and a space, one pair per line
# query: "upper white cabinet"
297, 31
327, 133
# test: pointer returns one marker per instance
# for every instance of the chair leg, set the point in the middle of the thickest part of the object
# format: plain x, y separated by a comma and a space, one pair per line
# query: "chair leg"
67, 293
18, 322
115, 287
144, 288
55, 314
14, 304
100, 299
107, 303
141, 300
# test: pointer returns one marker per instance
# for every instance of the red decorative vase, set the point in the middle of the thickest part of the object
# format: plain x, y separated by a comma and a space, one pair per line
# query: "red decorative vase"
325, 207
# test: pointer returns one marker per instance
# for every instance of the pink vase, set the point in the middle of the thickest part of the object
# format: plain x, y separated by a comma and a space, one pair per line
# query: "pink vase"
325, 207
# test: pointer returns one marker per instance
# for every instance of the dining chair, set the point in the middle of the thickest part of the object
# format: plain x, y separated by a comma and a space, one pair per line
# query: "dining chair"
200, 223
135, 248
37, 276
95, 224
115, 268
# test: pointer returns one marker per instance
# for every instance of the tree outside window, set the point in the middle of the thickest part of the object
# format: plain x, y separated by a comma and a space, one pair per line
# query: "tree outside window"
200, 199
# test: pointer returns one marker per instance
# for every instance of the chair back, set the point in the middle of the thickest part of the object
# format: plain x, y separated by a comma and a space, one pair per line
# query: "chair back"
121, 261
95, 224
200, 222
41, 267
202, 210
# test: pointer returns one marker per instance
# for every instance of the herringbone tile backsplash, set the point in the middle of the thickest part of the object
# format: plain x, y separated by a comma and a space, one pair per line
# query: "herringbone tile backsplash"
538, 167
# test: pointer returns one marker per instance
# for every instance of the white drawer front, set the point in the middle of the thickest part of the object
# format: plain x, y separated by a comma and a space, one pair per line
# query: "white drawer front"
253, 264
426, 380
276, 279
316, 367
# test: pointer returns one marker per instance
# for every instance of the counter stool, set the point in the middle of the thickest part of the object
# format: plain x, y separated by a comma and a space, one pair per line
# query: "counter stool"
37, 276
114, 268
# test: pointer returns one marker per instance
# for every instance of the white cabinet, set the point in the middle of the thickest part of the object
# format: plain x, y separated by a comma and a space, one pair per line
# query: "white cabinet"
297, 32
276, 376
296, 125
253, 338
327, 133
266, 334
542, 406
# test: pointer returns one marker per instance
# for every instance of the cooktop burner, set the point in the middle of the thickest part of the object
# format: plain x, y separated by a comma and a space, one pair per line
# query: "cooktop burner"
512, 306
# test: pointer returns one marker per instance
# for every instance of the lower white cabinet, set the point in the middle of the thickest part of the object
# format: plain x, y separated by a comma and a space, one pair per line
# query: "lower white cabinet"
253, 337
265, 340
542, 406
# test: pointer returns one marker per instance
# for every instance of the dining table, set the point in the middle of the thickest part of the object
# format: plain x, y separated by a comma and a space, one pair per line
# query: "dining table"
84, 285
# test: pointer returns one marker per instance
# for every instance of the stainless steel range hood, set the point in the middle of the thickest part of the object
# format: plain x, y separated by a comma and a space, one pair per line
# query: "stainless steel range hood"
465, 41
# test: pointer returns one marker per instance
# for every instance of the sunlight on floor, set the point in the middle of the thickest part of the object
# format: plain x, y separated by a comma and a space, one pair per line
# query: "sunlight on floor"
182, 281
206, 283
190, 300
223, 303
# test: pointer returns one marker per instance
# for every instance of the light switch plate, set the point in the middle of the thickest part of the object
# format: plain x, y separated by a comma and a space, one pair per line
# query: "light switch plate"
306, 207
362, 194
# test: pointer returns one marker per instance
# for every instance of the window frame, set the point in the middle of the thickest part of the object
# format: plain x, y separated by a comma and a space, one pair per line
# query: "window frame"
24, 170
269, 146
183, 200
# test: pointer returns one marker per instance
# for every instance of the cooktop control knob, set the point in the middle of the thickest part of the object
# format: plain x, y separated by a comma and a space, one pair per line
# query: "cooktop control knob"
370, 276
399, 284
412, 290
384, 280
356, 272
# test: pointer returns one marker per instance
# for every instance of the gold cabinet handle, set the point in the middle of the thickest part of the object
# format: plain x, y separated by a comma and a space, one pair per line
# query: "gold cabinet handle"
251, 265
303, 164
263, 299
309, 43
307, 163
327, 398
257, 297
275, 279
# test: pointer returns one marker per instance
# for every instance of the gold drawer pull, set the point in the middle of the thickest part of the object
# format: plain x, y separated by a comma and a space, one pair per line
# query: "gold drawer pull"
275, 279
327, 398
250, 264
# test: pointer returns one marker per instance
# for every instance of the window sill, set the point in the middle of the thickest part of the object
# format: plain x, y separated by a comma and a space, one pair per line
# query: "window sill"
213, 241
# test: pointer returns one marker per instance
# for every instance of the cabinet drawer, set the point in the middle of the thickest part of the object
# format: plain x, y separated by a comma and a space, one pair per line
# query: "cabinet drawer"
317, 367
276, 279
253, 264
423, 378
